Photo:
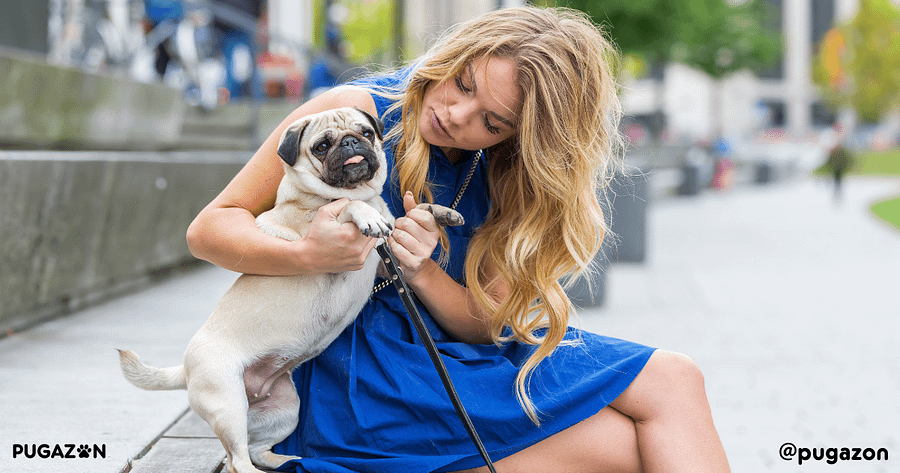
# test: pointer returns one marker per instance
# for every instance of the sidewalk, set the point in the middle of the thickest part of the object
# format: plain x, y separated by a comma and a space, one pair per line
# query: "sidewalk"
790, 305
60, 382
788, 302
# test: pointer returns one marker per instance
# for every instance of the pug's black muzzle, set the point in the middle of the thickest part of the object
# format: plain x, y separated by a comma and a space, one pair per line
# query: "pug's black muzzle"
345, 169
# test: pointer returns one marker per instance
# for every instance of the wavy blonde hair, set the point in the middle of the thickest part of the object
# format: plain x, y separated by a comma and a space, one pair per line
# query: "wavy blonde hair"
545, 222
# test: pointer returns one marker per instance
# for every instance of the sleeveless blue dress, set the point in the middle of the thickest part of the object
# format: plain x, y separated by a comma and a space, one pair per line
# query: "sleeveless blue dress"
373, 401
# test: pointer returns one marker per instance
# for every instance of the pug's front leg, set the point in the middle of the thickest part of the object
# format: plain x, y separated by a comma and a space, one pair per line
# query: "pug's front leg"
370, 222
444, 216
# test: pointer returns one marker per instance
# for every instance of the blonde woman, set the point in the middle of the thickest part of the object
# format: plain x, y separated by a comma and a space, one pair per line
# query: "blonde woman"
514, 116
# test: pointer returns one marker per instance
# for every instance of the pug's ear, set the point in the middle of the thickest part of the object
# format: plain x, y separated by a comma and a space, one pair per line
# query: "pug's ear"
377, 124
289, 147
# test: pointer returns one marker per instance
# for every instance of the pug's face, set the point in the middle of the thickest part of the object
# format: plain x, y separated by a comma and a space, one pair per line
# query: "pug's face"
340, 148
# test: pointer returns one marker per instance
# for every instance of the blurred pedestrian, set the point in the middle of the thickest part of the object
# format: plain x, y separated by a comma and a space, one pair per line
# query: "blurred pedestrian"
840, 161
236, 22
156, 12
723, 174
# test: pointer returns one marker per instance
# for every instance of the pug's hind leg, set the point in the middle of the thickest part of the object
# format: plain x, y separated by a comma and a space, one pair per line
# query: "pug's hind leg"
444, 216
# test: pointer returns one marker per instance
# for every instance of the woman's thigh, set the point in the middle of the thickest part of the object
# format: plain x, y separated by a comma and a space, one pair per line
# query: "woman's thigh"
604, 442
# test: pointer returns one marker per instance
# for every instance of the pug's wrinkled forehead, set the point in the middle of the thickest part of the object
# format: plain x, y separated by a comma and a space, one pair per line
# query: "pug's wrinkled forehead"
330, 125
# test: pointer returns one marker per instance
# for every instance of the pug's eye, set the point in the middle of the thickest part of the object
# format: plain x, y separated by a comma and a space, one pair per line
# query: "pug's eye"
369, 135
321, 148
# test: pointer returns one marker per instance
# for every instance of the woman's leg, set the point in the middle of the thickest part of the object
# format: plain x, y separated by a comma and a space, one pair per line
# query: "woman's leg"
605, 442
661, 423
674, 424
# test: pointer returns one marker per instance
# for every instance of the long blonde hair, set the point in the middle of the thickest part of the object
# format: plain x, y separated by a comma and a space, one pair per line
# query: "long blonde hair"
545, 222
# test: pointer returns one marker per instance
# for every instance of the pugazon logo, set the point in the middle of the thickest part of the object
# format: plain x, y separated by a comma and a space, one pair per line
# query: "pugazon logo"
68, 450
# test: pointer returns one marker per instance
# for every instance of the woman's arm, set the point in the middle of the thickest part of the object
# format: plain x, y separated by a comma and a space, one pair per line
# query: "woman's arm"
225, 232
452, 306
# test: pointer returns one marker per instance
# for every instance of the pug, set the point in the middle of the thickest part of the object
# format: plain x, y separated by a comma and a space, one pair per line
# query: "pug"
237, 367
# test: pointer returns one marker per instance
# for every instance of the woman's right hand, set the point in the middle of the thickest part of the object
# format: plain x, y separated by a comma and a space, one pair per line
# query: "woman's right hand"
335, 246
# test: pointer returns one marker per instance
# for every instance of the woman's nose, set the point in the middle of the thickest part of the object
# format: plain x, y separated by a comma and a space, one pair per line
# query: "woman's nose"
461, 111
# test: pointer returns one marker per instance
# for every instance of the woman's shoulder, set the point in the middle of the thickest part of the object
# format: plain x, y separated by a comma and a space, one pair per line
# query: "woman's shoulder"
392, 80
385, 88
344, 96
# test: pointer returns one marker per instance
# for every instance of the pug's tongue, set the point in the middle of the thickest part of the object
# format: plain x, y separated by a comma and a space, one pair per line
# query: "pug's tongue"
354, 160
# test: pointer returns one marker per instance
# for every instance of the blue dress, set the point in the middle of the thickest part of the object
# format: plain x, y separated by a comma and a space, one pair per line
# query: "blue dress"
373, 402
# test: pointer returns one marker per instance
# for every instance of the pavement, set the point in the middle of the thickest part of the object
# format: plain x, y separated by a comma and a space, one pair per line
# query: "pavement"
787, 300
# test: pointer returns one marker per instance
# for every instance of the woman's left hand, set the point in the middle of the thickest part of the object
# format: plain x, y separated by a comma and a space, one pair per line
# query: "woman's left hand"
414, 239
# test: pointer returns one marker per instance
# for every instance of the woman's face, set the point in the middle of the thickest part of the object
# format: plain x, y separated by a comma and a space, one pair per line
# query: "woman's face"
474, 110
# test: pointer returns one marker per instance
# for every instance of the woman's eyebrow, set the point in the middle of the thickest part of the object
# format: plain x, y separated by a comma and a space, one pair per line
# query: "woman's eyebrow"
502, 119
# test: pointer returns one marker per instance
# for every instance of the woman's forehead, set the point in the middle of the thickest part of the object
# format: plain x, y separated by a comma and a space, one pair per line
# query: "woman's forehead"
497, 76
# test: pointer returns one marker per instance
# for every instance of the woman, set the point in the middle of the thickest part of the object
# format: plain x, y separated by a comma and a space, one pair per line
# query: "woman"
514, 116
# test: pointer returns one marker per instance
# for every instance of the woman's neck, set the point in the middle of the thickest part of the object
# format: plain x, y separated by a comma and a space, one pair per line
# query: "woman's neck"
453, 154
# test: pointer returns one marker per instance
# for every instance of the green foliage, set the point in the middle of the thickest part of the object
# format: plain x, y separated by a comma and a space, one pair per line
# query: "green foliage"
889, 211
871, 163
369, 29
640, 27
879, 163
715, 36
858, 65
719, 38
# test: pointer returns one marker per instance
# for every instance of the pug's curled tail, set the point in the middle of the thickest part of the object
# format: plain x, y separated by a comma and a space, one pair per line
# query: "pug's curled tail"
148, 377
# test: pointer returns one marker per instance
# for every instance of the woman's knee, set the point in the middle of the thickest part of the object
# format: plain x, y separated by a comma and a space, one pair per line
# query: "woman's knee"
678, 371
669, 381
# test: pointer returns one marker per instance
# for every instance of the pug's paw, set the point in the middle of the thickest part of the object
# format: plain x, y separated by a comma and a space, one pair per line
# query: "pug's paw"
444, 216
370, 222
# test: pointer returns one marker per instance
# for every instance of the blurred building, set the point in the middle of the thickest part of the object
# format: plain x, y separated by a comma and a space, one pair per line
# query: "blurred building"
426, 19
782, 99
291, 25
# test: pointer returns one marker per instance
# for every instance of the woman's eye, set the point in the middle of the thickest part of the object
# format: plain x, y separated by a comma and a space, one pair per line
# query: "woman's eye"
491, 128
461, 86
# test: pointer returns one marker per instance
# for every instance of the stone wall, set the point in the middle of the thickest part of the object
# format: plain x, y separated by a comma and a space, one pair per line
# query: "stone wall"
77, 227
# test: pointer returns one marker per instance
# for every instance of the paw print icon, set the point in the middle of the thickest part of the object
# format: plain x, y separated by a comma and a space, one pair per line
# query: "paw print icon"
84, 451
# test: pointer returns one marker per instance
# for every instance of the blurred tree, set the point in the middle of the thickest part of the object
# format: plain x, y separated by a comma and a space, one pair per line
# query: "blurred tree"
718, 37
858, 64
370, 28
722, 37
715, 36
642, 28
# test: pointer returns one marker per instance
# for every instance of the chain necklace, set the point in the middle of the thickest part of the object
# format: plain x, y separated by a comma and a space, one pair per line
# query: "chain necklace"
386, 282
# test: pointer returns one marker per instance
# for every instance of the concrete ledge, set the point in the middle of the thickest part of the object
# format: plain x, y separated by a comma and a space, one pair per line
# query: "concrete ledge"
47, 106
78, 227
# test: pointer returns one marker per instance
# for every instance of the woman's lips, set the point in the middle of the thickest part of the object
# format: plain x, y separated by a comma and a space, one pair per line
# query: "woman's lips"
436, 123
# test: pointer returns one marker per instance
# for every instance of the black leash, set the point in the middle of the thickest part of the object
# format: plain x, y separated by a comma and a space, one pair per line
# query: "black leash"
396, 278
